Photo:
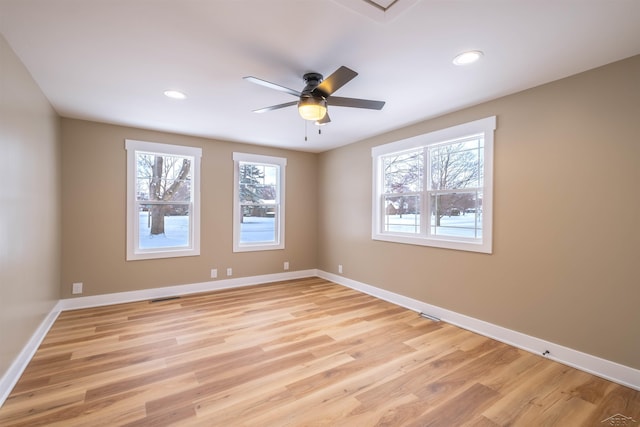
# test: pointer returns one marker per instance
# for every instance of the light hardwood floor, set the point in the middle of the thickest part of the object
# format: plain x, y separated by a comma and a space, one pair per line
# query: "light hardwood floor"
298, 353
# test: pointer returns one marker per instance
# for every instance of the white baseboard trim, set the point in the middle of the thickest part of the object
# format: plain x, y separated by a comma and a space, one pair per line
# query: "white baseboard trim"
12, 375
606, 369
171, 291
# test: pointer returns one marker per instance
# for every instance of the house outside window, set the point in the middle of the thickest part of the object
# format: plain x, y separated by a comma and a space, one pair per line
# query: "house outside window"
436, 189
259, 195
163, 200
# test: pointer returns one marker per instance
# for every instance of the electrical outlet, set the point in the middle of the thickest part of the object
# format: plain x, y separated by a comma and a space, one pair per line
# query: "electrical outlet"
214, 273
76, 288
286, 265
340, 268
229, 271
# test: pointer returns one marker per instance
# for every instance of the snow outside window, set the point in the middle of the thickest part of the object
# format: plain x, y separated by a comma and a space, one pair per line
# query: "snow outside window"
163, 200
436, 189
258, 209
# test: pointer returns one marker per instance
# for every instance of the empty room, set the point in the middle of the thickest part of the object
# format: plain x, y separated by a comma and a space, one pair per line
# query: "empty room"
320, 213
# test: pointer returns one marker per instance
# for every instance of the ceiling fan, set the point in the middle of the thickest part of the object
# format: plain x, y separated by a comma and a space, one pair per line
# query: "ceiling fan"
317, 95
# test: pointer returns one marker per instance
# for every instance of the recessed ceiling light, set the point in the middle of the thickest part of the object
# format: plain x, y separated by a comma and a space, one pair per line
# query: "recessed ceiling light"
466, 58
175, 94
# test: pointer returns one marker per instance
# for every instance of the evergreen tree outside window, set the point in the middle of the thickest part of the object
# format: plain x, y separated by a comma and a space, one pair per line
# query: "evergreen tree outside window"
163, 206
258, 213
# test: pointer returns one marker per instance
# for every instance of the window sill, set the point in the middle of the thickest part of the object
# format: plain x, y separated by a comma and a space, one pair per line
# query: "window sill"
435, 242
157, 254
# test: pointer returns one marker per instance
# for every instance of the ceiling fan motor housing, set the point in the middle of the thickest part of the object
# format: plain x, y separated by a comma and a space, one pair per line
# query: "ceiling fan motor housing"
312, 81
310, 78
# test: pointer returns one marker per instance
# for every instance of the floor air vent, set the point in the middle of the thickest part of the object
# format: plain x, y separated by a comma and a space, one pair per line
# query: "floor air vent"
430, 317
163, 299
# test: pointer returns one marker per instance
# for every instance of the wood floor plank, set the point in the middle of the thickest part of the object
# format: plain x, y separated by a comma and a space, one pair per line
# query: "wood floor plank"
261, 395
45, 400
466, 406
304, 352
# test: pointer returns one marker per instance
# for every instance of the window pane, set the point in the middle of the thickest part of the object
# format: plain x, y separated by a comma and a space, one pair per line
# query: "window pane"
402, 214
457, 165
163, 177
163, 206
403, 172
163, 226
258, 224
258, 195
444, 172
258, 183
457, 214
258, 220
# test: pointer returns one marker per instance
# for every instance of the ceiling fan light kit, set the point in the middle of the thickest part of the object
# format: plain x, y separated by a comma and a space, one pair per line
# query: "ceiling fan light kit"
312, 108
316, 96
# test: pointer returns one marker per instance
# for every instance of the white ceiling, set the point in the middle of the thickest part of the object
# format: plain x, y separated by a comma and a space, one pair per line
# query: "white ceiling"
111, 60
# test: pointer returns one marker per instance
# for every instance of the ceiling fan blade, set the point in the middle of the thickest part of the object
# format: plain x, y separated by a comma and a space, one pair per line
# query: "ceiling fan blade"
272, 85
335, 81
355, 102
275, 107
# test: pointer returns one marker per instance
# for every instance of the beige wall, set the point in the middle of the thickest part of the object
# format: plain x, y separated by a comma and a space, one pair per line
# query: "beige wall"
566, 260
566, 233
29, 207
93, 211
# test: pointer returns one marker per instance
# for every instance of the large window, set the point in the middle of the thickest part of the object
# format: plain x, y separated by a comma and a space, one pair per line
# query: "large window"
163, 200
436, 189
258, 210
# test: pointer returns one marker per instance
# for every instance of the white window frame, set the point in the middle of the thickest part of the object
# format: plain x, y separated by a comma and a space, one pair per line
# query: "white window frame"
134, 252
280, 163
484, 127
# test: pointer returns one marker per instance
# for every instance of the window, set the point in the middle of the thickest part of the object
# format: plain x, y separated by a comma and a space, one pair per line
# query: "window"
163, 200
258, 209
436, 189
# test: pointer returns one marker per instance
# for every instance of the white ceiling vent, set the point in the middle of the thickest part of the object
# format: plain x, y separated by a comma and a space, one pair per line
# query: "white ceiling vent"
379, 10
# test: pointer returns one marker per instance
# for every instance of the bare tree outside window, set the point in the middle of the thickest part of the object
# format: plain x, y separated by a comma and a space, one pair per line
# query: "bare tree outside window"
455, 166
163, 200
163, 179
403, 178
436, 189
448, 174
